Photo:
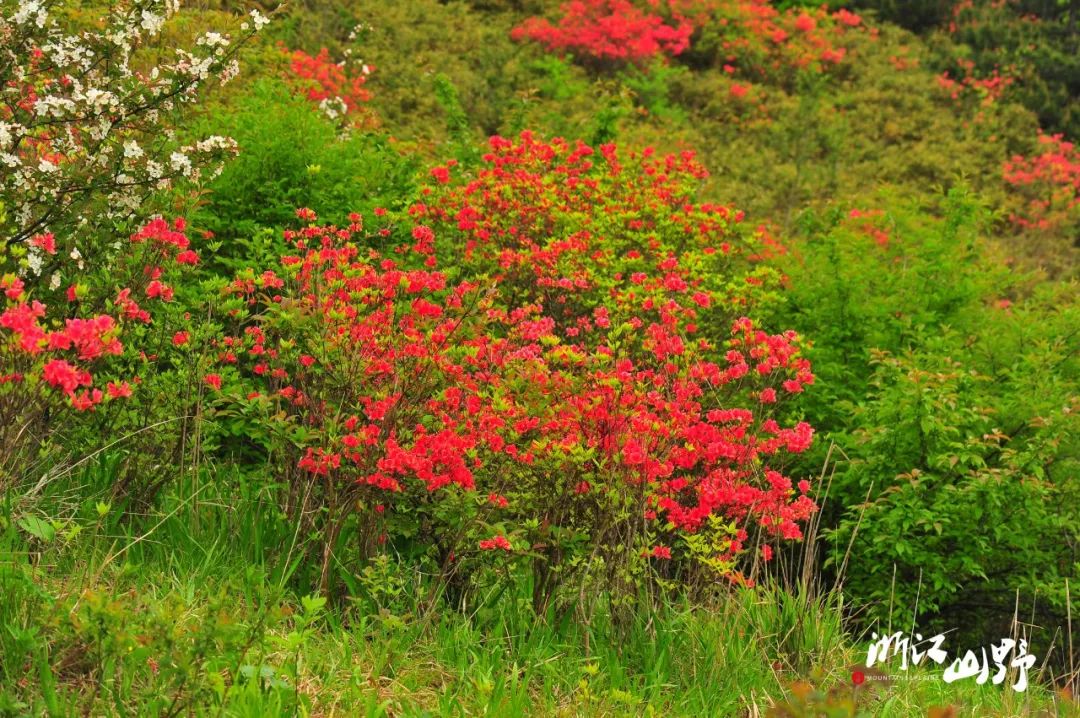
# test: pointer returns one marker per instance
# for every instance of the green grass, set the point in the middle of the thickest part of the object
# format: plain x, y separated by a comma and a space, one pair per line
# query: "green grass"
192, 609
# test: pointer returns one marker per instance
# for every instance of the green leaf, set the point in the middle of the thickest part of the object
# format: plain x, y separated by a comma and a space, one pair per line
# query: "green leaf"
38, 528
313, 604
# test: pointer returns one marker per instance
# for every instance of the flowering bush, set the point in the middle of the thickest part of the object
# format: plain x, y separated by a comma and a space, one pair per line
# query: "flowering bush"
1048, 182
1035, 41
629, 289
378, 376
986, 90
562, 333
337, 91
74, 356
750, 35
82, 122
87, 144
755, 40
611, 31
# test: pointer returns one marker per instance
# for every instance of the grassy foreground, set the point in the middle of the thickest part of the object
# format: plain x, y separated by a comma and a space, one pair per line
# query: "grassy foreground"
918, 228
176, 614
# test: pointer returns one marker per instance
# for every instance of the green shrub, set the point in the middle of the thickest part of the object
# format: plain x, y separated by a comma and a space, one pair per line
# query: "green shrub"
951, 389
290, 157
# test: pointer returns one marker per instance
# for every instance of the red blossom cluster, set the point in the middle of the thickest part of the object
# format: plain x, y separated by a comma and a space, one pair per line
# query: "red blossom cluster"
870, 224
496, 542
1049, 183
986, 89
590, 355
754, 34
755, 30
611, 30
393, 335
324, 80
758, 45
63, 351
621, 281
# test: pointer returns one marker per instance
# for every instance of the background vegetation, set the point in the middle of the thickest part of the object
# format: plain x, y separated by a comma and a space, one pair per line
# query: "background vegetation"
213, 533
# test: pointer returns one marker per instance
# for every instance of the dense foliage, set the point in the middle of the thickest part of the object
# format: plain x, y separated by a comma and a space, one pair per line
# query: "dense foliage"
476, 320
569, 324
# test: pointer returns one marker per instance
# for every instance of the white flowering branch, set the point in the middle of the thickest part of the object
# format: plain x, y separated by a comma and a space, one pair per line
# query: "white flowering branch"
85, 137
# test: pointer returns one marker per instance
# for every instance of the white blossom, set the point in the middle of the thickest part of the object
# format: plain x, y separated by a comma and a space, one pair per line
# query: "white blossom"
333, 107
151, 23
180, 163
30, 10
212, 40
215, 143
260, 21
34, 260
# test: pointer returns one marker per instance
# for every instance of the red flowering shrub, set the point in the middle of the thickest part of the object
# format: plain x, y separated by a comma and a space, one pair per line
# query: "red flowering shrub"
63, 357
630, 297
754, 40
967, 84
871, 223
582, 361
751, 40
611, 30
1047, 183
379, 374
337, 91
